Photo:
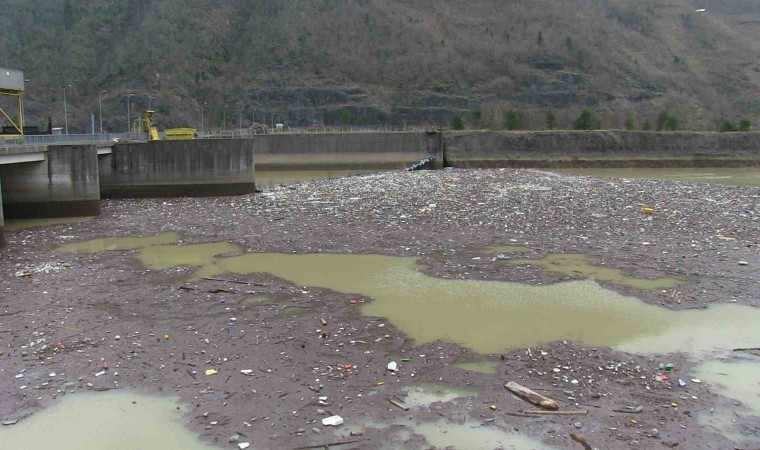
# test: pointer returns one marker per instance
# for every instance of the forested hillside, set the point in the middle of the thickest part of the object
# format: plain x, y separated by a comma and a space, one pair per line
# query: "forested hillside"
387, 61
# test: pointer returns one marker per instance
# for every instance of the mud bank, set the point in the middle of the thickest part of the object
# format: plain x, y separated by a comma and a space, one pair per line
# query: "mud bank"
279, 344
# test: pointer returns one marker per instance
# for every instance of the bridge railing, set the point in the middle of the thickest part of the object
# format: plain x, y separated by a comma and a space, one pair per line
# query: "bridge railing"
248, 132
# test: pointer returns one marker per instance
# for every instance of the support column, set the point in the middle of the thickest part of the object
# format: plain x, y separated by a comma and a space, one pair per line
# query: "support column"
65, 184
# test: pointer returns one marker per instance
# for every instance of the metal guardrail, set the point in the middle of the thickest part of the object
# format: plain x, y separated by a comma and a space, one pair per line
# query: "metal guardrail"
58, 139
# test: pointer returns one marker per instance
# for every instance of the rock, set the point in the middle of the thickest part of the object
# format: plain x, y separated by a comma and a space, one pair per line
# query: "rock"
332, 421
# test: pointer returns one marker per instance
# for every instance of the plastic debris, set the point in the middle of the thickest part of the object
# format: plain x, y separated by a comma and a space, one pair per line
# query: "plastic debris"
210, 372
393, 366
332, 421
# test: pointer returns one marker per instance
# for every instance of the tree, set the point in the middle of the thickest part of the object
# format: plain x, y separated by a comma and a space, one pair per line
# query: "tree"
551, 120
647, 126
586, 121
457, 123
667, 121
515, 120
630, 124
346, 117
726, 126
745, 126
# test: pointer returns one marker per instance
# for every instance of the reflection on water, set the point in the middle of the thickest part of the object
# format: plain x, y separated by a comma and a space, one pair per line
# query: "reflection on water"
733, 176
22, 224
579, 265
275, 177
114, 420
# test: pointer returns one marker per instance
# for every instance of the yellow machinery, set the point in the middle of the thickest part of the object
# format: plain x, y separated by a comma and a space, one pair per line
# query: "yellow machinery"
145, 125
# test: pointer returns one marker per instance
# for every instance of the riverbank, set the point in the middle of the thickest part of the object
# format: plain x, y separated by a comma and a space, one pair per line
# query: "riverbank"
264, 334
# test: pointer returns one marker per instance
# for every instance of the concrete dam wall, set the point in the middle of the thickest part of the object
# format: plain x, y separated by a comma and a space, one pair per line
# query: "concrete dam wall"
196, 168
343, 151
574, 149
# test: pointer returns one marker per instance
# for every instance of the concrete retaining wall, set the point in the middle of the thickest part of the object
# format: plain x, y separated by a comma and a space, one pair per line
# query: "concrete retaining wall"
343, 151
65, 184
178, 169
601, 149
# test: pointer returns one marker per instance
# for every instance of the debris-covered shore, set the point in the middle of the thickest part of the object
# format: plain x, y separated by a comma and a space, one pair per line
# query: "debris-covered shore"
271, 371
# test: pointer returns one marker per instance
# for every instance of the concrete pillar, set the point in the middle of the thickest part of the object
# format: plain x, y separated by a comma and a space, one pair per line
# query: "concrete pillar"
65, 184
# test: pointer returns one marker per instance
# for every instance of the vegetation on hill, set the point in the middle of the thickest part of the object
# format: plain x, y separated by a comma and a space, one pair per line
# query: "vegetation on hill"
493, 63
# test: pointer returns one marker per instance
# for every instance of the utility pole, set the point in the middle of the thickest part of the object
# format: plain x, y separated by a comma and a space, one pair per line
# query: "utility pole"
129, 124
65, 111
100, 107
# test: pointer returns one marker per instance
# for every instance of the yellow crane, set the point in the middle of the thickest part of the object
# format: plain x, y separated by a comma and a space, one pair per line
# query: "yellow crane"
146, 125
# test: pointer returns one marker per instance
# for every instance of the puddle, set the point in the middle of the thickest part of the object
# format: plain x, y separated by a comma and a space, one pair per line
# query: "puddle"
506, 249
473, 436
579, 265
163, 256
22, 224
485, 367
119, 243
425, 394
104, 420
486, 316
738, 380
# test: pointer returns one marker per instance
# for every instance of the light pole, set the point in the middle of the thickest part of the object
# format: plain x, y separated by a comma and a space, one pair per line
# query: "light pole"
202, 127
129, 125
65, 112
100, 108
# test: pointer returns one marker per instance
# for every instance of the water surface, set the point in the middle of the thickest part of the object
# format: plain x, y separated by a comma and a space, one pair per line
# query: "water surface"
732, 176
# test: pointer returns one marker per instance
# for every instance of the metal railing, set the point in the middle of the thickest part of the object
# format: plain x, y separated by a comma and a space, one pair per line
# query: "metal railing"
58, 139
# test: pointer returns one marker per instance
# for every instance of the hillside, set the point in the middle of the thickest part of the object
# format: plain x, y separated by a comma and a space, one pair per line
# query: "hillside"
386, 61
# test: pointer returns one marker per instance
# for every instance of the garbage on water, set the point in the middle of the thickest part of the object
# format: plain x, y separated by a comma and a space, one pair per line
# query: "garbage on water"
243, 445
332, 421
210, 372
393, 366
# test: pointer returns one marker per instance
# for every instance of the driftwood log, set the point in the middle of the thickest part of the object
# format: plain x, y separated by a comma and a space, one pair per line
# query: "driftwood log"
531, 396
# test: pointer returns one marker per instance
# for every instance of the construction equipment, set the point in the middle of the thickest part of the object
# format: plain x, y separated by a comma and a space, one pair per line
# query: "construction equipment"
145, 124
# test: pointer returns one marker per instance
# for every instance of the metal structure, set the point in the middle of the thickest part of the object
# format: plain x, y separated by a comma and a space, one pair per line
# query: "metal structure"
12, 85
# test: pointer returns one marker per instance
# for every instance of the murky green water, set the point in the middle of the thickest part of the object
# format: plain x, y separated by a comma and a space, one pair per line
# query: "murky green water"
425, 394
104, 421
733, 176
119, 243
738, 379
486, 316
22, 224
275, 177
579, 265
485, 367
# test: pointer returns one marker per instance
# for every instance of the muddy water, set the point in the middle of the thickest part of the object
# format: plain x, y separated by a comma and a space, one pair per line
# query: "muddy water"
425, 394
119, 243
474, 436
732, 176
104, 421
22, 224
486, 316
497, 249
578, 265
275, 177
738, 379
489, 316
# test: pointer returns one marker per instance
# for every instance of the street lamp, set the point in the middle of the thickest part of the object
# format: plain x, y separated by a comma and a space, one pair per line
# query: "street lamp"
65, 112
100, 108
129, 124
